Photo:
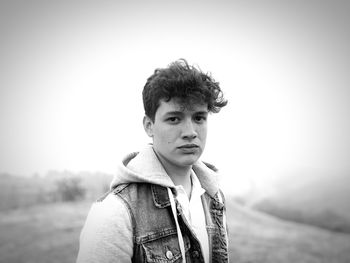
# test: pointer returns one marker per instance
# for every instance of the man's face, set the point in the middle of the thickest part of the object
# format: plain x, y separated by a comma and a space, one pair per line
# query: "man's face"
179, 134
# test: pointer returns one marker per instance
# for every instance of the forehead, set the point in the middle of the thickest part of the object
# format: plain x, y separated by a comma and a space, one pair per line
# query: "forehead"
175, 105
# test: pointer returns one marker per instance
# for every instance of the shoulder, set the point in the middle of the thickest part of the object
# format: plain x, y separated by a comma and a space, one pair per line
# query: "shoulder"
108, 210
106, 219
132, 192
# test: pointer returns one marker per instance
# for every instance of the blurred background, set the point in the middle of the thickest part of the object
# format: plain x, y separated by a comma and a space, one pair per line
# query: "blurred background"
71, 77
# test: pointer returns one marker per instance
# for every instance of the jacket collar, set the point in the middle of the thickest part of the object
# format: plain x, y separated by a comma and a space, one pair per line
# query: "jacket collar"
145, 167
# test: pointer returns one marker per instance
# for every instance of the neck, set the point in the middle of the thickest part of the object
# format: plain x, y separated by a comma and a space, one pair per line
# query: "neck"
180, 175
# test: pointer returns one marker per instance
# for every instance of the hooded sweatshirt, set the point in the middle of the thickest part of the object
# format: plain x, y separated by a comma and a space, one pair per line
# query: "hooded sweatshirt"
107, 234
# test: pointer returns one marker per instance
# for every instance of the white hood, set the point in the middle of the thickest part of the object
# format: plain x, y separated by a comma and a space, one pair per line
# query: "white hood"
144, 167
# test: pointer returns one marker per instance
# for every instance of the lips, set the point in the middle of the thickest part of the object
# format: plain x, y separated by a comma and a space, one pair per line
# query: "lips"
188, 146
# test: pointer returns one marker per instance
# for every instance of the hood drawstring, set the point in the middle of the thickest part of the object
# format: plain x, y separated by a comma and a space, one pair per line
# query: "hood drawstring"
179, 234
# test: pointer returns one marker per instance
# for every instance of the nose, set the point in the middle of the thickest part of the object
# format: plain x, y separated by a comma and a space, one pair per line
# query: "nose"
189, 132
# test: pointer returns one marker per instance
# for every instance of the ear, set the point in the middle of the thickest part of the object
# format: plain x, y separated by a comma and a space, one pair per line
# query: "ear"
148, 126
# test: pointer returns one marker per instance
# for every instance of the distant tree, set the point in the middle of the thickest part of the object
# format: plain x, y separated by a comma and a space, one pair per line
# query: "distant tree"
70, 189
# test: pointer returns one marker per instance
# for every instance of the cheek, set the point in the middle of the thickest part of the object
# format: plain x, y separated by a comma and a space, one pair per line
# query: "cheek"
202, 131
164, 136
170, 136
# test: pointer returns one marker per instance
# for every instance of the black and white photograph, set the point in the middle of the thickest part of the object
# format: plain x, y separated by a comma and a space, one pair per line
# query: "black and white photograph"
174, 131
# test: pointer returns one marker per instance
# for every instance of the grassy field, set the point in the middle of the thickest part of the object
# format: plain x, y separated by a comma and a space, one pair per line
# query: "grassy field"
320, 199
258, 237
45, 233
50, 233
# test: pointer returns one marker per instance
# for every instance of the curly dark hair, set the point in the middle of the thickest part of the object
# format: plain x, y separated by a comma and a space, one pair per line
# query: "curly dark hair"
185, 83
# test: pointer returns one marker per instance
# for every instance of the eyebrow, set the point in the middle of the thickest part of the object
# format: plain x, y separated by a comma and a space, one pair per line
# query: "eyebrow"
181, 113
202, 112
174, 113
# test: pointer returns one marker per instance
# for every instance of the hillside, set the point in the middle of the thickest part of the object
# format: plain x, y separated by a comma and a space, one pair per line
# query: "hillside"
35, 228
50, 233
258, 237
321, 199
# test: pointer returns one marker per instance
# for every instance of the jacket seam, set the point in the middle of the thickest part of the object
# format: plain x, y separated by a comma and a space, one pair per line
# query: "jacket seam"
155, 236
131, 215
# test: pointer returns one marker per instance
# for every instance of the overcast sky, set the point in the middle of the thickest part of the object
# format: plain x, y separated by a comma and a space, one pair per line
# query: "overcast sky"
72, 74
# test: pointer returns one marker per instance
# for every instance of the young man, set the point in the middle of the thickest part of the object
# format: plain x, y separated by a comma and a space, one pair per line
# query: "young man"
164, 204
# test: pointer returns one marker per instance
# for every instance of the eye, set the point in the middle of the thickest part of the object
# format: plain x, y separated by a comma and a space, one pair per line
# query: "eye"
200, 118
173, 120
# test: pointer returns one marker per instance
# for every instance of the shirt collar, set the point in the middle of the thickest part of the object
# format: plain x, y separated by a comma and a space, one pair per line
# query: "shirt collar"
196, 185
196, 190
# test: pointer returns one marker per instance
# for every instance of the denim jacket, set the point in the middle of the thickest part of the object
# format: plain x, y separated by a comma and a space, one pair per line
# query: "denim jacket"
154, 231
134, 222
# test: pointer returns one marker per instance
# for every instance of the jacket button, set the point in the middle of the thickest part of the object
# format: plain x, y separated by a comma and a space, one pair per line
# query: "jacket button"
169, 254
195, 254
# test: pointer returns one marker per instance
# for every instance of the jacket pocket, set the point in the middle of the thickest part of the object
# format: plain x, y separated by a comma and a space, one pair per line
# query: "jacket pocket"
165, 249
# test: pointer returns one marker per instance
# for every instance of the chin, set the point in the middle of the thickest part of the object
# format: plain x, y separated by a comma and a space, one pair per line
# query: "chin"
190, 160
